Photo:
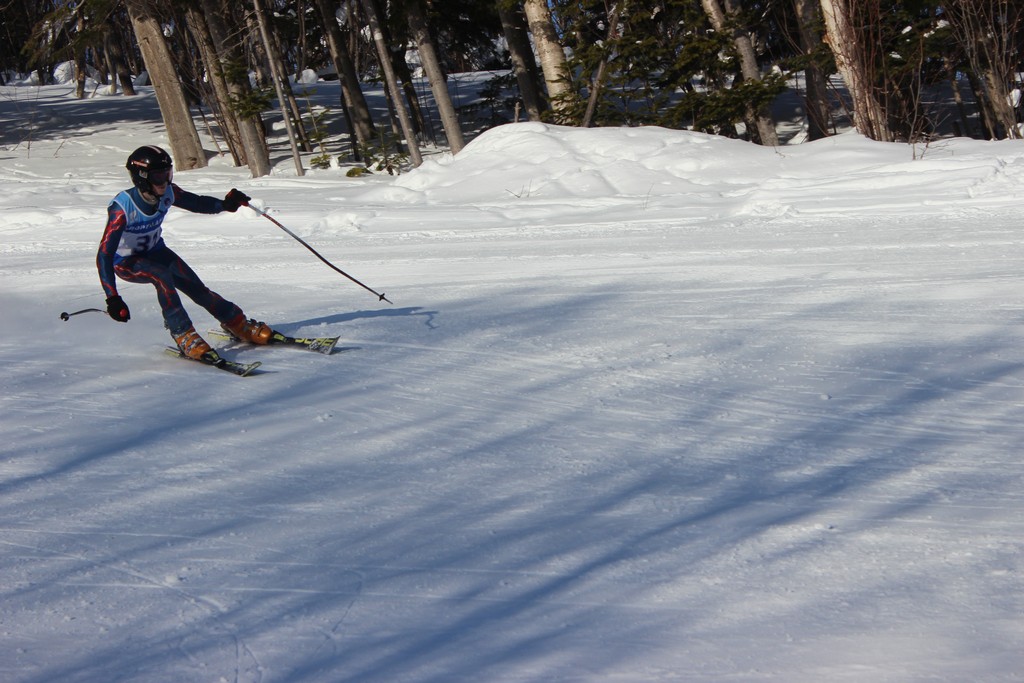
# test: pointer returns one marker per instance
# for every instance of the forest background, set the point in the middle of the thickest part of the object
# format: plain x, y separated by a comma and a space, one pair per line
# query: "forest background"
713, 66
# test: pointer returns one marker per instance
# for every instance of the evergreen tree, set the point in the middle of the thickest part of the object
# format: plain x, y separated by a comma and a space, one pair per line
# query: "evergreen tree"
665, 65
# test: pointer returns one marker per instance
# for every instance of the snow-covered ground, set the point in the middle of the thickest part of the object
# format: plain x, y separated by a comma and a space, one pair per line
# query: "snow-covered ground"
649, 406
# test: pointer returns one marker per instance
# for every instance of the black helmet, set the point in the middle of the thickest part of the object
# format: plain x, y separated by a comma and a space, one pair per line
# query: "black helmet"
146, 161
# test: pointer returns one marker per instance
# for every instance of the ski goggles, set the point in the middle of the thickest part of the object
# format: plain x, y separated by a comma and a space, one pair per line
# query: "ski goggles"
160, 177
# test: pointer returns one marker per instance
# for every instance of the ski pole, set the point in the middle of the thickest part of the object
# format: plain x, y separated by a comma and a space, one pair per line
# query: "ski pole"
65, 316
380, 297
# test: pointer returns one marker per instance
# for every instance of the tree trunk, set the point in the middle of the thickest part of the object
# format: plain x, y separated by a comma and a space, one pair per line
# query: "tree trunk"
552, 56
816, 96
200, 31
524, 64
276, 72
253, 150
80, 64
392, 82
81, 70
181, 130
761, 119
963, 128
988, 124
998, 95
435, 75
847, 45
352, 99
303, 51
280, 76
597, 81
115, 55
403, 74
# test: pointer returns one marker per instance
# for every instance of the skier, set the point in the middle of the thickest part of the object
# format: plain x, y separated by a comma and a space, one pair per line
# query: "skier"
132, 249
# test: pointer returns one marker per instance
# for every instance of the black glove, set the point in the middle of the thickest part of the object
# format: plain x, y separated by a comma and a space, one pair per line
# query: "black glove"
235, 199
118, 309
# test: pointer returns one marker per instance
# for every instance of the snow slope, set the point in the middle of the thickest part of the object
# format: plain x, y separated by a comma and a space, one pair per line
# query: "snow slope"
649, 406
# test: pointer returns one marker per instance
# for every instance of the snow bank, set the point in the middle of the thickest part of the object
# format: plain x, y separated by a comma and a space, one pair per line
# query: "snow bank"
522, 171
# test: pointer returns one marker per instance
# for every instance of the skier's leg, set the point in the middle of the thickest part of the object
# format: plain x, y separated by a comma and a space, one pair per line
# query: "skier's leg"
143, 270
137, 269
230, 315
189, 283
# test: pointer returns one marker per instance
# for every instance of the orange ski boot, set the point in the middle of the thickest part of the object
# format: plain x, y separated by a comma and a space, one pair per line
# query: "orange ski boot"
191, 344
249, 330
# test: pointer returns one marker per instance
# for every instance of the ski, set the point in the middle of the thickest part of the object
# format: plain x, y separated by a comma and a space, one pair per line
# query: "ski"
240, 369
324, 345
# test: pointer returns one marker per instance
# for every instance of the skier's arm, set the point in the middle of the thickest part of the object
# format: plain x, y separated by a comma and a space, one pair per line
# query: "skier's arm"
190, 201
108, 247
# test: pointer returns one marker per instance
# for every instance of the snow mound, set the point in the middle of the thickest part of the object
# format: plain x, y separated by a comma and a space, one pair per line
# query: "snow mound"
540, 161
526, 166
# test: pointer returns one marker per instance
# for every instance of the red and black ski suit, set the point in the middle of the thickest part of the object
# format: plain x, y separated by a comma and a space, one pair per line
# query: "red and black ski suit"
133, 249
